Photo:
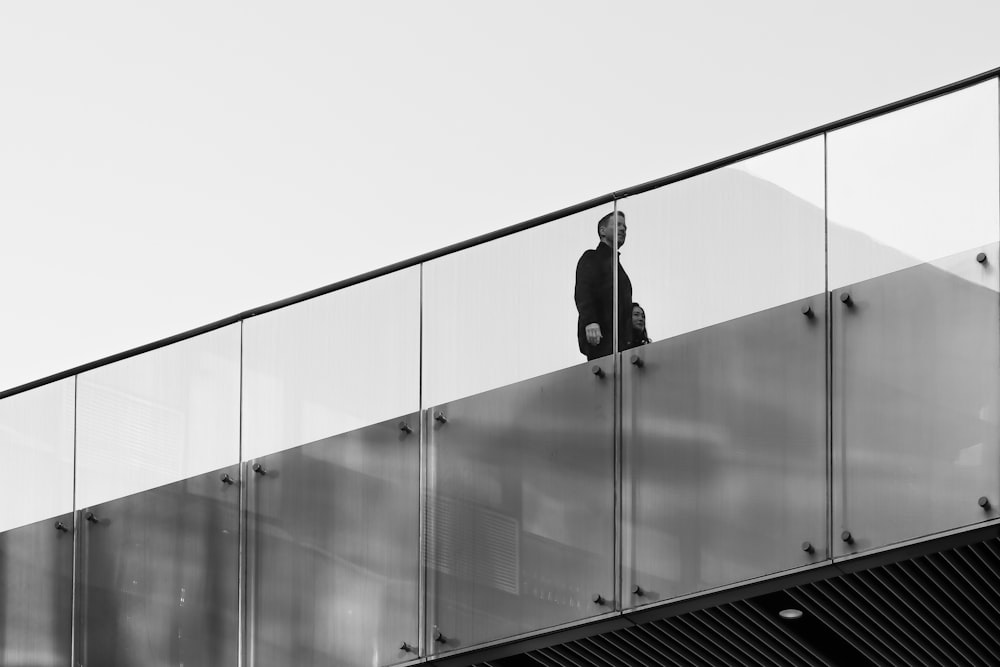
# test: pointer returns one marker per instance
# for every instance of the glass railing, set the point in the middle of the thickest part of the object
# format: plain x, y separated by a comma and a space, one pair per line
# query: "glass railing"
913, 208
791, 359
724, 412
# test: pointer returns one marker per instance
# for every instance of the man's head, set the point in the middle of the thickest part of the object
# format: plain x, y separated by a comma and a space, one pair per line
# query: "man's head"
611, 225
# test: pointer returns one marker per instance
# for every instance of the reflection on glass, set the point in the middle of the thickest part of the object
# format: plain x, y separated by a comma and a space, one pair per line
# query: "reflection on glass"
914, 220
36, 593
158, 417
36, 443
331, 364
730, 242
724, 433
916, 390
724, 405
913, 186
514, 308
333, 562
521, 529
159, 576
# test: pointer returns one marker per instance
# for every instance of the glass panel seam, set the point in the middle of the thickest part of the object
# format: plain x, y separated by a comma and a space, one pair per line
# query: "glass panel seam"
74, 583
828, 353
241, 565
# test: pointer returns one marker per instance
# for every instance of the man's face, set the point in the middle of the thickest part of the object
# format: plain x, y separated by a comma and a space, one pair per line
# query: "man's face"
610, 229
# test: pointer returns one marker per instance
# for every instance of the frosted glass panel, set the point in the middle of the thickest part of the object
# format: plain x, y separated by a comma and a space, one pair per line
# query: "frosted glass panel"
730, 242
521, 526
332, 364
333, 561
914, 186
507, 310
36, 446
916, 391
158, 576
724, 452
158, 417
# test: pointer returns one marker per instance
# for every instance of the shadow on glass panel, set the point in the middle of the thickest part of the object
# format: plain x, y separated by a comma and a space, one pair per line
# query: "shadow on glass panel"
914, 185
521, 530
159, 575
916, 389
724, 437
730, 242
334, 550
36, 593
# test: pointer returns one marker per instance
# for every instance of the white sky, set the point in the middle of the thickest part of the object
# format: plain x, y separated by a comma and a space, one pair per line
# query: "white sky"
164, 165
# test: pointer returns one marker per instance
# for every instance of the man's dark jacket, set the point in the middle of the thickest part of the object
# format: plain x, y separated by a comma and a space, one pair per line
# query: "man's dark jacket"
594, 287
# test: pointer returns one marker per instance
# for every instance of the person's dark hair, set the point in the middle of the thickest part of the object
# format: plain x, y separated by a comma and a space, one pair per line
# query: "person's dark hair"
605, 220
642, 337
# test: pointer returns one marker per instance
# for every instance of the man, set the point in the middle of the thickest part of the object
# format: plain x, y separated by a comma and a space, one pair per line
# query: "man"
594, 288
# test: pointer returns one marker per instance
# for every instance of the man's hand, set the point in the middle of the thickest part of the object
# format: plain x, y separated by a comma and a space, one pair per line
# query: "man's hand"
593, 333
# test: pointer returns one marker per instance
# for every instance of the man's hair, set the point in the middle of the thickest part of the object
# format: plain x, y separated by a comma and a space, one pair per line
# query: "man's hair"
604, 221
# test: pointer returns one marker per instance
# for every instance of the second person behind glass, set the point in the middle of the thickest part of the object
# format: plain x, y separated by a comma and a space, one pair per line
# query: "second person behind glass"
594, 291
638, 335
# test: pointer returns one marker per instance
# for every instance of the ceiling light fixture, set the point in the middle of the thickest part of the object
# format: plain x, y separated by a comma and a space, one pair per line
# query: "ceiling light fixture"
790, 614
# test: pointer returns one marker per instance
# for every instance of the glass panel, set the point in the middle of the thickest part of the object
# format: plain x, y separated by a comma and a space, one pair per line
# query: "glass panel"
730, 242
334, 550
913, 186
725, 453
915, 417
36, 593
332, 364
513, 308
159, 576
158, 417
914, 207
521, 525
36, 444
724, 415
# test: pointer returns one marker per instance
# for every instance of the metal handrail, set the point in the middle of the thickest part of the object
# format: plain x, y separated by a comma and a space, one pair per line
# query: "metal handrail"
513, 229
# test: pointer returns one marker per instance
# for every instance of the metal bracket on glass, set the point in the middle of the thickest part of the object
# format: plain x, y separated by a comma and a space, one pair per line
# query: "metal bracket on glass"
984, 502
847, 537
91, 517
981, 258
259, 469
226, 478
405, 428
406, 647
440, 638
807, 310
637, 591
599, 599
61, 527
636, 361
845, 298
808, 548
439, 417
597, 370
